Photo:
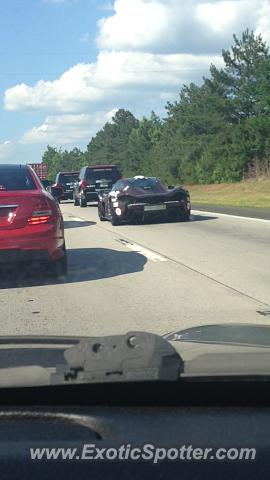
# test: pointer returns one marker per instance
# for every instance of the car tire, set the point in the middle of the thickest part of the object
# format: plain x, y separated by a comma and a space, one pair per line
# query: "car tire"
185, 217
101, 212
75, 201
83, 202
60, 267
138, 220
115, 221
113, 217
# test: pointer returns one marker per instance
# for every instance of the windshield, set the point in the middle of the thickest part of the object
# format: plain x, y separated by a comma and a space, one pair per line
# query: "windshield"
148, 121
70, 178
144, 183
93, 174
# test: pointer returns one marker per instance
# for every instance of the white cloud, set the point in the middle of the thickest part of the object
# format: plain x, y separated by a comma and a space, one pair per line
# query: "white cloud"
196, 26
135, 24
167, 96
67, 129
6, 149
263, 23
148, 50
145, 55
115, 76
63, 94
219, 17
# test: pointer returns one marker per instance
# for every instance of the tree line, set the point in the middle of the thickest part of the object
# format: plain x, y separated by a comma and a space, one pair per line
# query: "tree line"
216, 132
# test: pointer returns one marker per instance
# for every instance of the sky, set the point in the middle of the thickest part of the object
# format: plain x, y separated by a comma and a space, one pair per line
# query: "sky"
68, 65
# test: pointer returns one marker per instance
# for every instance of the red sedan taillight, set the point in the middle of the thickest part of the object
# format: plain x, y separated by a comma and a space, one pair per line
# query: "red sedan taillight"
44, 212
39, 218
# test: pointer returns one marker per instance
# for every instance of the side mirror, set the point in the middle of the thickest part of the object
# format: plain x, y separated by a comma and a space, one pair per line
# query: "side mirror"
171, 187
56, 192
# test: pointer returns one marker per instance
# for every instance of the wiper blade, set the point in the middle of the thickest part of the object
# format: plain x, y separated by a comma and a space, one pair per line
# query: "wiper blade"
136, 356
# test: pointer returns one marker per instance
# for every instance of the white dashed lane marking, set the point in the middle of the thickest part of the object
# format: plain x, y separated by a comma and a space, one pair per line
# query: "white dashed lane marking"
74, 219
155, 257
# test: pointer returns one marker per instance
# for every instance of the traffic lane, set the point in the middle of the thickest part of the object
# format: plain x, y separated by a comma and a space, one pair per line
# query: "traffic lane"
103, 296
208, 314
229, 250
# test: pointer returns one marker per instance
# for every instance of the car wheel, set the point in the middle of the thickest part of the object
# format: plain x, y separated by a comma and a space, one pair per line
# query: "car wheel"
137, 220
187, 216
101, 212
83, 202
60, 267
75, 201
184, 217
114, 219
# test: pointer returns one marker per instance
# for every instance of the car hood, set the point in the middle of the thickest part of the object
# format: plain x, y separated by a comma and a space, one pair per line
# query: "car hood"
219, 351
234, 334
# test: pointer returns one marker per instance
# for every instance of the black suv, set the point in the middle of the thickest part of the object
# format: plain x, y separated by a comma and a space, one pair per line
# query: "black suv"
66, 181
92, 180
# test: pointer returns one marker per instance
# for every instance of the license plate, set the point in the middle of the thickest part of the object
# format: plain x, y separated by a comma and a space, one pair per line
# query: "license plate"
104, 185
151, 208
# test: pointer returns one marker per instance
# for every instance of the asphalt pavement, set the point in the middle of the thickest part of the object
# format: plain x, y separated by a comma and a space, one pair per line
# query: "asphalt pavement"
156, 277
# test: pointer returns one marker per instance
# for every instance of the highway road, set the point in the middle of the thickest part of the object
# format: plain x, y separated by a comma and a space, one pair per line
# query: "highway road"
156, 277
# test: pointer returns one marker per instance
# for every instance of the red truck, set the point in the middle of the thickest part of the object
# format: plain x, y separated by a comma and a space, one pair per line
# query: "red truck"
41, 170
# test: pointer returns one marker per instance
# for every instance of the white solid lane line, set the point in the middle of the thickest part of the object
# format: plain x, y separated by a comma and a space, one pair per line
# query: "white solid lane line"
155, 257
200, 212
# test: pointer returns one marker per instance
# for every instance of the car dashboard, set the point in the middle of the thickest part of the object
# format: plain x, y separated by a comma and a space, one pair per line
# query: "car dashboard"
94, 419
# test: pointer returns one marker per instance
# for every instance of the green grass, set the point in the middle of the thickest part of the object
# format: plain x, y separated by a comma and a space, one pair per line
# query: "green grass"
242, 194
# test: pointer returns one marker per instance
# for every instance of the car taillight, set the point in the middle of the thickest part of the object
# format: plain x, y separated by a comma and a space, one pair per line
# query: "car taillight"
43, 213
39, 219
84, 184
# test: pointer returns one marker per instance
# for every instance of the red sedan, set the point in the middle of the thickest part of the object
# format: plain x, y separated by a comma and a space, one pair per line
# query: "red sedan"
31, 223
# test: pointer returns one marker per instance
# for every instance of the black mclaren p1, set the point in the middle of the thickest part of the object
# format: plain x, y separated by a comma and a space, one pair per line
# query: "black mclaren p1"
134, 199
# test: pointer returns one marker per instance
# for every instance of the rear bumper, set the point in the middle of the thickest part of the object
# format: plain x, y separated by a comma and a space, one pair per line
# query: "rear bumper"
173, 209
90, 197
25, 245
23, 256
67, 196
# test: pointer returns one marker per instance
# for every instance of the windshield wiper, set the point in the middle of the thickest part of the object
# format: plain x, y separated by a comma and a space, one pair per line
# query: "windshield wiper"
135, 356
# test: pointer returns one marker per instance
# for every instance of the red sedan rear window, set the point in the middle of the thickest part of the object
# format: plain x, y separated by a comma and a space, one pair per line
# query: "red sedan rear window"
16, 179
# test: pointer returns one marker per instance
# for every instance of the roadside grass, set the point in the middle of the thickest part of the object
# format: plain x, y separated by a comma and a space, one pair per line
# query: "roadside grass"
242, 194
